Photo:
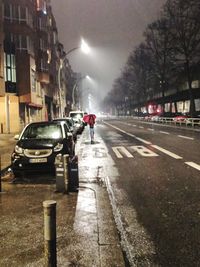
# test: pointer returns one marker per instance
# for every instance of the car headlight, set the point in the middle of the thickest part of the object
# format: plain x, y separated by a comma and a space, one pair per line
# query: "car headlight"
19, 150
58, 147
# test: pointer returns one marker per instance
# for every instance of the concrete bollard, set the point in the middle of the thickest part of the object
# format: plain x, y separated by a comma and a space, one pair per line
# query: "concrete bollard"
50, 233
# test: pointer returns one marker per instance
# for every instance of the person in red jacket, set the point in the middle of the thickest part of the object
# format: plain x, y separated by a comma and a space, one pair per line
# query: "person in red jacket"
91, 123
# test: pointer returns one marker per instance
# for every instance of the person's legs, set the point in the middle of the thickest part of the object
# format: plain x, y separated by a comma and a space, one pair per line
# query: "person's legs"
92, 134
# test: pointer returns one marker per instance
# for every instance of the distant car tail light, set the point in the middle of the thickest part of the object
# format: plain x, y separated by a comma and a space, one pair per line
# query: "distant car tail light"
58, 147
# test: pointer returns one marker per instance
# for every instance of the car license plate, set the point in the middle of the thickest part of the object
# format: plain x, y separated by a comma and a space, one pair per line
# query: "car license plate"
41, 160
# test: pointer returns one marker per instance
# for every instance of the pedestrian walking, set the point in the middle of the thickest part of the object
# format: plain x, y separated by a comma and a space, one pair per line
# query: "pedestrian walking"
91, 122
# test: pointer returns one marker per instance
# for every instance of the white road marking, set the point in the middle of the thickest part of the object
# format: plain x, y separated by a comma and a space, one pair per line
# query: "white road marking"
123, 150
150, 129
134, 125
171, 154
141, 127
143, 141
139, 139
163, 132
132, 135
186, 137
143, 151
194, 165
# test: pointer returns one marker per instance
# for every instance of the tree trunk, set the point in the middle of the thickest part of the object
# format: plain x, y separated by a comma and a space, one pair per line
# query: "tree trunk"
192, 102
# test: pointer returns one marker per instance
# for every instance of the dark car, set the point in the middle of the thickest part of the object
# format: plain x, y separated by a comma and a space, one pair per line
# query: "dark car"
71, 125
38, 145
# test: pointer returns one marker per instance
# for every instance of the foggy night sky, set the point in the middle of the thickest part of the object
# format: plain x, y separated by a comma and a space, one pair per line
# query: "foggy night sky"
112, 28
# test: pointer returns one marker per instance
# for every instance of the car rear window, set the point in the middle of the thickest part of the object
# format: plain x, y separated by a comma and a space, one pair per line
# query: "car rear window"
52, 131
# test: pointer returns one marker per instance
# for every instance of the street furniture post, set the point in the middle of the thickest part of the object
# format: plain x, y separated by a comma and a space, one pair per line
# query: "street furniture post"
50, 233
66, 172
60, 183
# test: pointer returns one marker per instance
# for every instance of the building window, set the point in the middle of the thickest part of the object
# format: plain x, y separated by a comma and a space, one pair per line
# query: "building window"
10, 73
43, 45
9, 68
43, 65
23, 12
16, 13
54, 38
33, 81
7, 11
21, 42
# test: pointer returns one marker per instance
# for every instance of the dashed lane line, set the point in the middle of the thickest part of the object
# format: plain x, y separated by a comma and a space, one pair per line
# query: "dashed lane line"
122, 131
186, 137
171, 154
193, 165
163, 132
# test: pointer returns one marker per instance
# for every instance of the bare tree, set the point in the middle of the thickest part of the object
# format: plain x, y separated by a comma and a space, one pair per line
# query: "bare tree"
159, 47
184, 21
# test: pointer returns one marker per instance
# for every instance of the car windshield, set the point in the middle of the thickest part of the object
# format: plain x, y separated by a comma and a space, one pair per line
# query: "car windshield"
43, 132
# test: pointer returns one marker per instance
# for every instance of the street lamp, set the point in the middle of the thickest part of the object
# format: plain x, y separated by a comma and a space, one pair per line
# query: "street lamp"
85, 49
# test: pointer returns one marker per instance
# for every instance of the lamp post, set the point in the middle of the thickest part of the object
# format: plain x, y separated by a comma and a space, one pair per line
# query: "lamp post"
86, 49
75, 87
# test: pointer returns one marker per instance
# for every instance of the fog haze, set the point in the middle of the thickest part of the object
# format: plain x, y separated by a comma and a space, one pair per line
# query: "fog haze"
112, 28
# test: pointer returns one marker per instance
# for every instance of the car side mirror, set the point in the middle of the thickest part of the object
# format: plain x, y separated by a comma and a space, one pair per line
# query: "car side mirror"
16, 137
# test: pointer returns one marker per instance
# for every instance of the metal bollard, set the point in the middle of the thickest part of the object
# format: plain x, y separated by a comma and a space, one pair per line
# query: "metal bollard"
66, 172
50, 233
60, 183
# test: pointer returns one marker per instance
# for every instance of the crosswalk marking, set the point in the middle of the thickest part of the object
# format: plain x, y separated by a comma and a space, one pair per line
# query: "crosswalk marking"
123, 151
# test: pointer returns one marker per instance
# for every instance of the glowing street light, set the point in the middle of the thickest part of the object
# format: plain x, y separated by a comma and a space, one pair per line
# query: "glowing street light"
85, 49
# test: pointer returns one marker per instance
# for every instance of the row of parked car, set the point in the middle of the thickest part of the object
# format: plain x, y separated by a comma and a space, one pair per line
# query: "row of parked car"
40, 142
176, 117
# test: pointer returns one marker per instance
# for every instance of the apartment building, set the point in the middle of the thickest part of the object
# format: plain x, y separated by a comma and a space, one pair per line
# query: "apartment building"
30, 60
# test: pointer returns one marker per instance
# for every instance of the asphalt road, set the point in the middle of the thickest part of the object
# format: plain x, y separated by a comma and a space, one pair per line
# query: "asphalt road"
152, 173
155, 191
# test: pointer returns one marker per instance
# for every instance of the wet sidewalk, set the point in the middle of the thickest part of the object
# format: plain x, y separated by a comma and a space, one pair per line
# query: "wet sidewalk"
86, 230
